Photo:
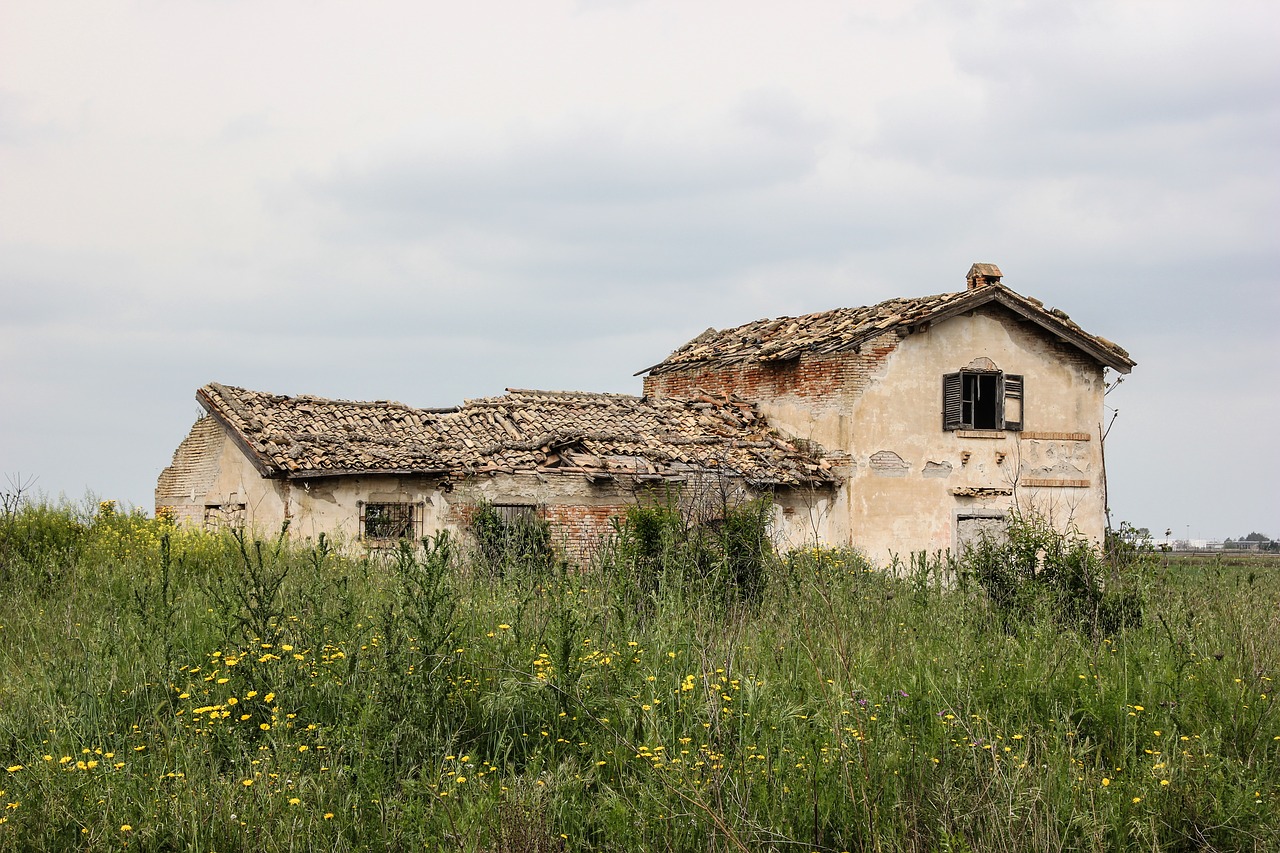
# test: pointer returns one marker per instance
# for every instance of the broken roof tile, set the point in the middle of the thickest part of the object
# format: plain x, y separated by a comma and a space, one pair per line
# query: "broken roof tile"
595, 434
843, 329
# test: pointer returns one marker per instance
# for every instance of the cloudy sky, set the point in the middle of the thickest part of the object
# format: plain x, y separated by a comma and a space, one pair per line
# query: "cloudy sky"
432, 201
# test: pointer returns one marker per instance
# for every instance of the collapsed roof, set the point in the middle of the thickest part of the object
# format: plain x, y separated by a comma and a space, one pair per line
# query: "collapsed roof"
547, 432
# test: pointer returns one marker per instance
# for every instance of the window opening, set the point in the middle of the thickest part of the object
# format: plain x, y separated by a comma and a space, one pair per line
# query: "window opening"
982, 399
514, 513
220, 516
389, 521
973, 530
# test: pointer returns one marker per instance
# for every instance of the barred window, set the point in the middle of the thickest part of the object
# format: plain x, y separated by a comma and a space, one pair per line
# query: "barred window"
515, 513
390, 521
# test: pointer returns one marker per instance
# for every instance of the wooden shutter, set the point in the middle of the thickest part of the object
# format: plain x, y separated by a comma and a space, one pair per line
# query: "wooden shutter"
952, 401
1012, 414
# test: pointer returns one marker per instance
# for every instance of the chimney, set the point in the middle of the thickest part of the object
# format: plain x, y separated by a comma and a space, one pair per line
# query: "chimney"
980, 275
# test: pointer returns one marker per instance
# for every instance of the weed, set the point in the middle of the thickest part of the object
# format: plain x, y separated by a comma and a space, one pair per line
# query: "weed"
1035, 570
314, 698
520, 544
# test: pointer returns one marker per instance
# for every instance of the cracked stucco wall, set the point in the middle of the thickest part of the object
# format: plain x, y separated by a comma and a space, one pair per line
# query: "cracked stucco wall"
209, 469
878, 413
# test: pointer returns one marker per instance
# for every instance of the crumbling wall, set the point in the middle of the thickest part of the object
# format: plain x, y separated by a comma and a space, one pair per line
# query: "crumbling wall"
816, 383
211, 483
877, 412
913, 483
183, 485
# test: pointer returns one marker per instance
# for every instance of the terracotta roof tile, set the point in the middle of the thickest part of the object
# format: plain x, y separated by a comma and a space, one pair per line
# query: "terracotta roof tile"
845, 328
596, 435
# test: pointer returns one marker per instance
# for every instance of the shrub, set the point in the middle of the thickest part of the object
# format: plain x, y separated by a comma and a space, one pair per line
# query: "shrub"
521, 544
646, 544
1038, 571
723, 554
746, 549
38, 540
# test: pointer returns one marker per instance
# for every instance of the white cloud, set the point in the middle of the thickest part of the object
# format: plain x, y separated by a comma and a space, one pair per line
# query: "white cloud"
433, 201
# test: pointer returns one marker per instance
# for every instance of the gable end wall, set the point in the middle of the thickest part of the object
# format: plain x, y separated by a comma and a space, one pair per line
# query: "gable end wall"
884, 403
196, 464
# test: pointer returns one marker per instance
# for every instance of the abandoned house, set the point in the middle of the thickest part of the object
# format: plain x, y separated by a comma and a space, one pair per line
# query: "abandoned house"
914, 424
379, 471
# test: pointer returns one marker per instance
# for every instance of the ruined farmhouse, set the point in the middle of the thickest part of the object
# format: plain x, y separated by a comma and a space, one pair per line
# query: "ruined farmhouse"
909, 425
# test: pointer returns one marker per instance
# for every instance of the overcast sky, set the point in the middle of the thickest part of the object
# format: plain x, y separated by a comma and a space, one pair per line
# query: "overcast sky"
432, 201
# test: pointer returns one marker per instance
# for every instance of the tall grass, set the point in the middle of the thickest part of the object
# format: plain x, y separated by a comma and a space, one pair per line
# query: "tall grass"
163, 689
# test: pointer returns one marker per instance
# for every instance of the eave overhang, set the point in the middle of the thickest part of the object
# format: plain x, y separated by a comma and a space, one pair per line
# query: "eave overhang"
260, 462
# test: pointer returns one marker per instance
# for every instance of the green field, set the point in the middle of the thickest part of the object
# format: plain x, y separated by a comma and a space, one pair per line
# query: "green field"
163, 689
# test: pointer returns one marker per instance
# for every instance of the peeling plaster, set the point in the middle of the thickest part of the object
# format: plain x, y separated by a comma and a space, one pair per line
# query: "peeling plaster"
936, 469
886, 463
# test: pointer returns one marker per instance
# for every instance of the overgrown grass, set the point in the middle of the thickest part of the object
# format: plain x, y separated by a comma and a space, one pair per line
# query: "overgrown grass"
171, 690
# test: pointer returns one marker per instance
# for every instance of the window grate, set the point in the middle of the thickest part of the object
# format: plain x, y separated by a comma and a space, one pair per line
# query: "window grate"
515, 513
389, 521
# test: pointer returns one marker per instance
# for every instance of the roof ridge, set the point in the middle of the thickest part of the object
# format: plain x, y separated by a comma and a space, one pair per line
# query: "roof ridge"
312, 398
542, 393
841, 329
846, 308
526, 395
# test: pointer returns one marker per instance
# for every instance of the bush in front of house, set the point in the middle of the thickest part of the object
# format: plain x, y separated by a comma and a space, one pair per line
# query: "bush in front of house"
723, 555
521, 544
1037, 572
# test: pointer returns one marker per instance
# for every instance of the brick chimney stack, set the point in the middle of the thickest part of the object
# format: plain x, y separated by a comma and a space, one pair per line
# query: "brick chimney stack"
980, 275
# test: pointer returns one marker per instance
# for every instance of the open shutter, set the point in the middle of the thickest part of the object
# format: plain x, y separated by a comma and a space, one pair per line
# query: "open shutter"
1012, 401
952, 401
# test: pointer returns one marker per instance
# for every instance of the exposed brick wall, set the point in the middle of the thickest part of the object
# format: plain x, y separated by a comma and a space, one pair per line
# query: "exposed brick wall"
461, 515
576, 529
193, 471
580, 530
821, 381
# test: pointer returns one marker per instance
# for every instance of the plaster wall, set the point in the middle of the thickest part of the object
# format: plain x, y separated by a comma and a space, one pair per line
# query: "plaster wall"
912, 481
809, 517
210, 470
878, 413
